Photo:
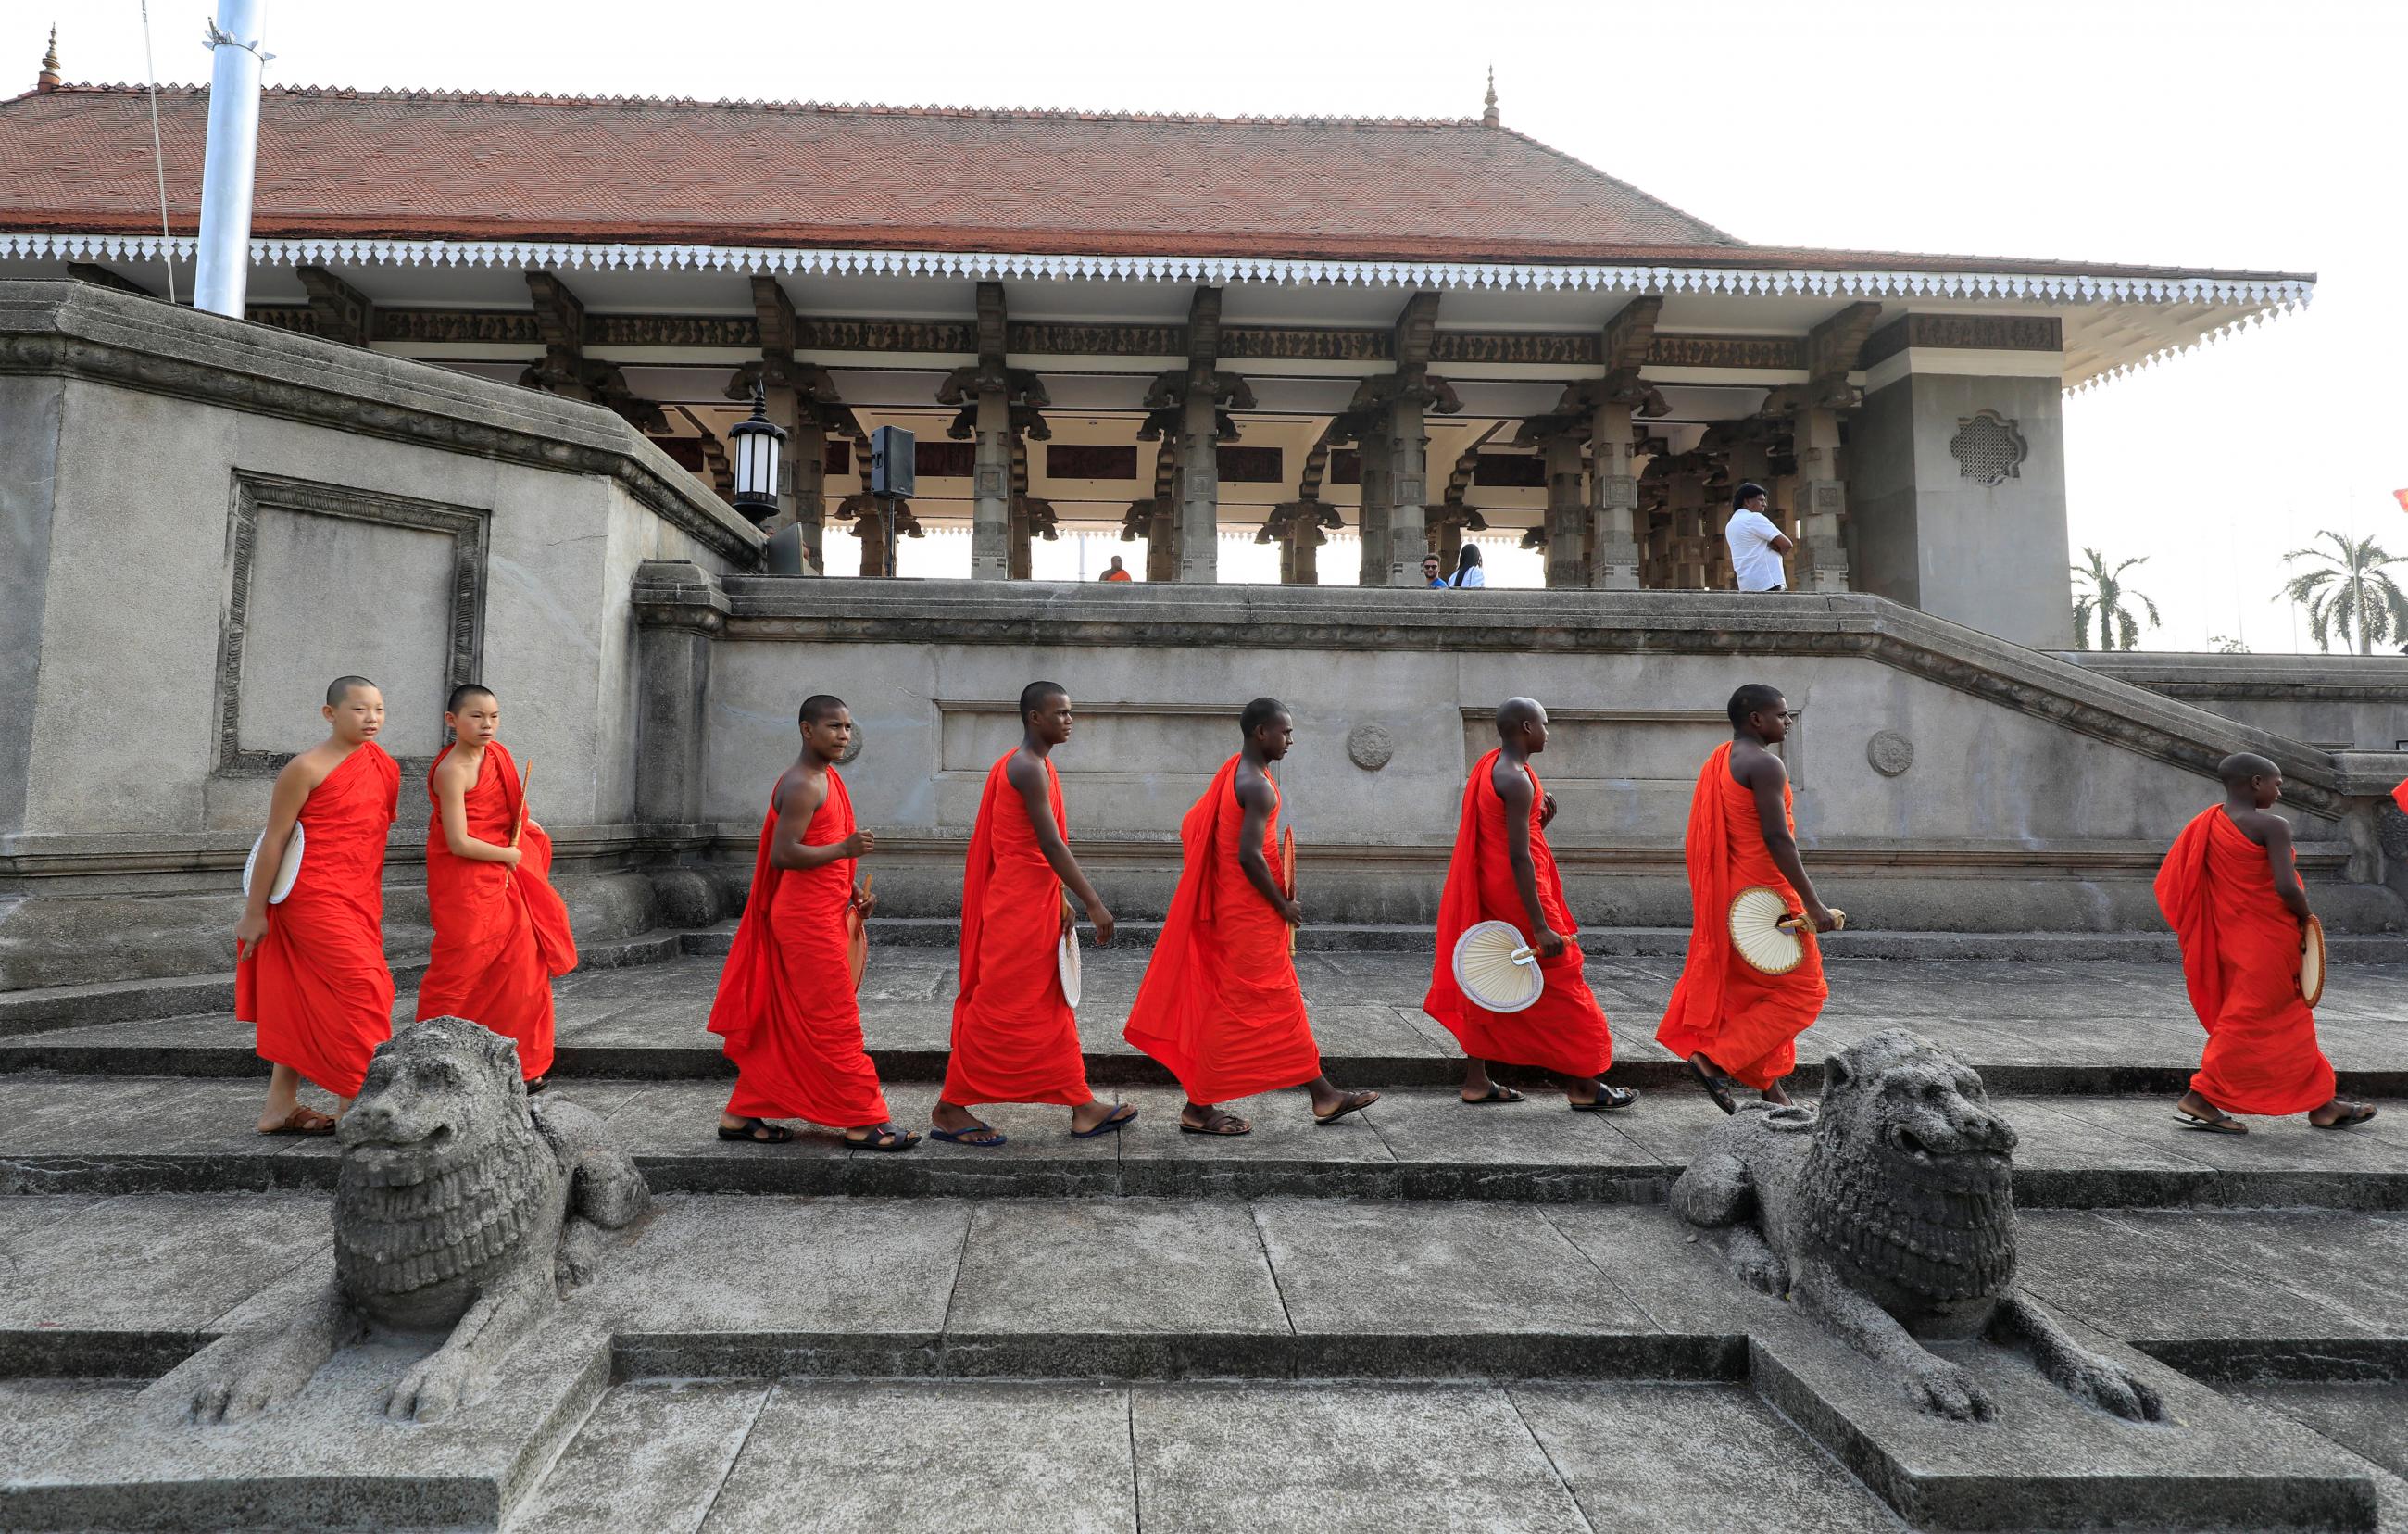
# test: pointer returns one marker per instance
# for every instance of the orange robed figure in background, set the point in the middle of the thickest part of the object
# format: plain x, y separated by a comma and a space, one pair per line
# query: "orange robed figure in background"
1730, 1020
1220, 1005
2231, 890
1015, 1038
501, 931
310, 971
786, 1009
1502, 870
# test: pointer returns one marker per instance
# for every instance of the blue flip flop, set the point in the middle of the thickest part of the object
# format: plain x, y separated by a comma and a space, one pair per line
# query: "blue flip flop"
1119, 1119
960, 1137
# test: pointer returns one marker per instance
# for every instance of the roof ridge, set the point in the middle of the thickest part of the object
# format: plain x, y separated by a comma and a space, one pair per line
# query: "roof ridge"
1545, 147
829, 108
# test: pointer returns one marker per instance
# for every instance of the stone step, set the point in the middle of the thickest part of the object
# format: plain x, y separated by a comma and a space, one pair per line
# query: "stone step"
1612, 1339
2091, 1028
126, 1135
46, 1008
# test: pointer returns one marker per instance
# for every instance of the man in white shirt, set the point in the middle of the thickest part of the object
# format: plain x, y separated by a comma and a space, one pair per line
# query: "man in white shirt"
1757, 542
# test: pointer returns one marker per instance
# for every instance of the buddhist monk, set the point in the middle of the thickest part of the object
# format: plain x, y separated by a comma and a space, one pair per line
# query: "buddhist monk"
786, 1011
1015, 1038
1503, 870
310, 971
1733, 1022
2231, 890
501, 931
1220, 1005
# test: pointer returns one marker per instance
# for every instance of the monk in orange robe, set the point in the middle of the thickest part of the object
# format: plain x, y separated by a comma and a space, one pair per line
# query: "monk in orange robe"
501, 931
310, 971
786, 1009
1502, 870
1220, 1005
2231, 890
1015, 1038
1733, 1022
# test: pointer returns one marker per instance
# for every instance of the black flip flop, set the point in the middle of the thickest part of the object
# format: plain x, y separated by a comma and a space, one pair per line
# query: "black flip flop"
1717, 1088
758, 1132
1610, 1099
2358, 1114
2223, 1124
1218, 1115
1355, 1102
1119, 1119
885, 1137
962, 1137
1498, 1092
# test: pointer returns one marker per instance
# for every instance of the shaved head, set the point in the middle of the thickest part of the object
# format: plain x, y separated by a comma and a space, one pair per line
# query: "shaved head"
819, 705
1754, 698
1515, 712
340, 688
461, 694
1034, 696
2238, 768
1258, 714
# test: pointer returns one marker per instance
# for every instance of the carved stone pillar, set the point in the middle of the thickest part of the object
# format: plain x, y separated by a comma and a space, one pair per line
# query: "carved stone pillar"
1378, 487
678, 611
1199, 483
1162, 541
1614, 497
1689, 547
1822, 561
802, 488
1407, 492
1567, 517
991, 488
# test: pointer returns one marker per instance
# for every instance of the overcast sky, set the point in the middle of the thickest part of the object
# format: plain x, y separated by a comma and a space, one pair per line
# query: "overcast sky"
2201, 133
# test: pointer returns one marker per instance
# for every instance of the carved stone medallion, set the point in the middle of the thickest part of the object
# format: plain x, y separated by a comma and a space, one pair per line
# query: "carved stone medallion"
1369, 746
1889, 753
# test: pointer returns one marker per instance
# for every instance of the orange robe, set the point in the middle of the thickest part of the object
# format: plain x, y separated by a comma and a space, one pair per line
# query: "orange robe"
500, 934
2240, 962
2399, 795
1740, 1018
786, 1008
1563, 1031
317, 987
1015, 1038
1220, 1005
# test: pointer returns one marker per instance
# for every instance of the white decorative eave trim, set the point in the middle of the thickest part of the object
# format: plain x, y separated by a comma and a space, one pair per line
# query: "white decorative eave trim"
2255, 294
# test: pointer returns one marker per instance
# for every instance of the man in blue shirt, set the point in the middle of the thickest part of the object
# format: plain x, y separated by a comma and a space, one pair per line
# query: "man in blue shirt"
1429, 572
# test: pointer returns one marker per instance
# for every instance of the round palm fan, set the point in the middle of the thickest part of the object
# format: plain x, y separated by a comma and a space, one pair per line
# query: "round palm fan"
1287, 874
1767, 934
856, 935
1066, 955
2312, 962
287, 870
1495, 968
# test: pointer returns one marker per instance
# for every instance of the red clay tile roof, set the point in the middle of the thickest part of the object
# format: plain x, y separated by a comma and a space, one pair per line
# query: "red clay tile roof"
440, 164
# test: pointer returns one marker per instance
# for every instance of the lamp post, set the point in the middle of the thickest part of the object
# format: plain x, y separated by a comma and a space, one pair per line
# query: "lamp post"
754, 445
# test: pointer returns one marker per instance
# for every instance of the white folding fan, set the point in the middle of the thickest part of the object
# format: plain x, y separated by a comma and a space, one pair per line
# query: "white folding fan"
1066, 957
2312, 962
286, 871
1766, 933
1495, 968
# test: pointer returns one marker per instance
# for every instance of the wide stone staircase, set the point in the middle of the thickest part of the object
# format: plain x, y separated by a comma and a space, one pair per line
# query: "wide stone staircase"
1428, 1316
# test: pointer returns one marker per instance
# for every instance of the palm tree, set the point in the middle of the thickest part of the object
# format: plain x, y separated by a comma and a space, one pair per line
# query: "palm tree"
2351, 594
2107, 599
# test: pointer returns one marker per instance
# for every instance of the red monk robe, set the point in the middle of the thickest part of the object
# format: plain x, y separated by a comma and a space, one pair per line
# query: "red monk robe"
317, 987
1736, 1015
2241, 961
1565, 1029
501, 934
1015, 1038
1220, 1005
786, 1007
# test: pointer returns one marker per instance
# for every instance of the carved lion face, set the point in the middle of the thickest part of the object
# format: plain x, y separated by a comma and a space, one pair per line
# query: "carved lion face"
438, 1094
1919, 1111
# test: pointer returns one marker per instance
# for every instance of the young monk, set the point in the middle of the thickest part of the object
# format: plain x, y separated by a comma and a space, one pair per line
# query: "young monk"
2231, 890
1732, 1022
1015, 1038
1220, 1004
786, 1008
501, 931
1503, 870
310, 971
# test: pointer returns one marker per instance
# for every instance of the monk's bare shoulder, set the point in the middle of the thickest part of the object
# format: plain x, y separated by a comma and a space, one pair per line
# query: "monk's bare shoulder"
1254, 789
305, 771
1753, 767
2262, 827
799, 793
1023, 772
1511, 783
457, 772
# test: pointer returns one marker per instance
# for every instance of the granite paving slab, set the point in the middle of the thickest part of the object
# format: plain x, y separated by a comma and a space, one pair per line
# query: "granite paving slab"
653, 1455
2369, 1418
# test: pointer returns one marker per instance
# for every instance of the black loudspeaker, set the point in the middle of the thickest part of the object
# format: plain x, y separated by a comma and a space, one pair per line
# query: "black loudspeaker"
892, 462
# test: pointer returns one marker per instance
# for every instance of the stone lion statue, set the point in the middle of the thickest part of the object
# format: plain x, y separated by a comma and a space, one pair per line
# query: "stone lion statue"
462, 1206
1889, 1214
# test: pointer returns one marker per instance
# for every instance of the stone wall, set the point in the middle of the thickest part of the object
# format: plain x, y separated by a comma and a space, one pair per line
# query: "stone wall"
208, 519
2339, 702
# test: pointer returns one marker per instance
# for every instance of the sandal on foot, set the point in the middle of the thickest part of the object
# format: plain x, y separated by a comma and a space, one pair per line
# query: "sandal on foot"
883, 1137
1354, 1103
1718, 1088
758, 1132
1498, 1092
2223, 1124
537, 1086
2358, 1114
303, 1120
1120, 1115
1215, 1124
965, 1136
1609, 1099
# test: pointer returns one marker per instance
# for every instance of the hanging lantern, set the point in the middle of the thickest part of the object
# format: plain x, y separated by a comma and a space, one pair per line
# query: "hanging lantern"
754, 445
